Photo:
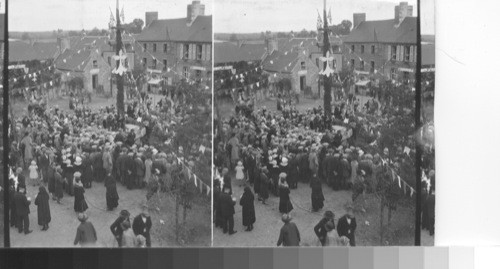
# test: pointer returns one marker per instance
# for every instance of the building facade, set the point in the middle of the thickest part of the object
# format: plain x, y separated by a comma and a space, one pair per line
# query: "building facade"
176, 49
385, 49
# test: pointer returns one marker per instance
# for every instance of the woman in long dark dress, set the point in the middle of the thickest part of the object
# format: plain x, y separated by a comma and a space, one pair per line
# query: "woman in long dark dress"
43, 209
285, 204
216, 204
80, 204
59, 183
51, 180
317, 197
248, 209
111, 193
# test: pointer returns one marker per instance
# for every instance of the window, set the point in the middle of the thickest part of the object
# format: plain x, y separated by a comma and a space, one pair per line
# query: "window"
145, 46
154, 63
407, 53
199, 52
164, 64
165, 47
109, 60
334, 64
303, 65
186, 51
406, 78
394, 50
362, 65
154, 47
186, 72
352, 49
317, 62
144, 62
198, 73
335, 49
372, 67
94, 63
352, 64
373, 49
362, 49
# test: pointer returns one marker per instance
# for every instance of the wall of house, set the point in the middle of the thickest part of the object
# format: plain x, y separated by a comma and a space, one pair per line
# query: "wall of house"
311, 74
103, 72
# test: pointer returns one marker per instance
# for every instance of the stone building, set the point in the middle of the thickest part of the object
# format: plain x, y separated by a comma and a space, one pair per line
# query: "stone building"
176, 49
383, 47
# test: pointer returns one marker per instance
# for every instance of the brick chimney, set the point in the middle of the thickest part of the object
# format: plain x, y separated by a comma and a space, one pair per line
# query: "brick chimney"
194, 10
357, 19
271, 44
402, 11
150, 17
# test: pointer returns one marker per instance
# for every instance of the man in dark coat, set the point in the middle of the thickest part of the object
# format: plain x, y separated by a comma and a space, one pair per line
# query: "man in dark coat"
140, 170
303, 160
43, 208
116, 227
329, 164
227, 209
345, 171
111, 192
43, 163
142, 225
289, 233
346, 227
22, 204
128, 170
21, 179
431, 210
118, 166
98, 166
320, 228
12, 205
293, 172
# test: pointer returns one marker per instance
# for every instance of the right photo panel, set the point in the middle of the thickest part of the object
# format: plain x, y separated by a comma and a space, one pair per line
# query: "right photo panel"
317, 141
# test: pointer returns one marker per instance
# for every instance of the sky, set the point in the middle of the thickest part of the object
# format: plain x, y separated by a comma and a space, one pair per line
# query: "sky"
48, 15
250, 16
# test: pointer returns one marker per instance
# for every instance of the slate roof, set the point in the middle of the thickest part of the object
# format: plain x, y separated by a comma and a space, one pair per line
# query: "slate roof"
178, 30
45, 50
227, 52
385, 31
286, 44
21, 51
74, 61
280, 62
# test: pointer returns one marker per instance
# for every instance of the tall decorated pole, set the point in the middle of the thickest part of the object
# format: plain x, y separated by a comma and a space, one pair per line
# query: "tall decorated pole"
120, 95
327, 71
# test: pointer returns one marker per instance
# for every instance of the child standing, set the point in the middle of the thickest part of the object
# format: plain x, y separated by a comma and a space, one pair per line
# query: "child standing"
33, 168
239, 172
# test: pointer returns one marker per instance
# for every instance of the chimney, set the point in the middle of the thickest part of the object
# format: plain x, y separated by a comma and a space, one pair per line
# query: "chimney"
150, 17
194, 10
63, 43
357, 19
402, 11
271, 44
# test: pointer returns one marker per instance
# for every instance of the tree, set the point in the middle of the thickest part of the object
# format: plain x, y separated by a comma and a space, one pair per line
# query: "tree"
94, 32
134, 27
343, 28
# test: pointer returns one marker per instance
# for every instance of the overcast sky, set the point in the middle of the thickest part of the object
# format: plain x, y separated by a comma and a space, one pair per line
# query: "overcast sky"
246, 16
48, 15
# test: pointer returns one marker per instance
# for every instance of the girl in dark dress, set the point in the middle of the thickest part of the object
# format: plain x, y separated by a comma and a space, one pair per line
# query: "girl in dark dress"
284, 191
80, 204
248, 209
43, 209
317, 197
111, 193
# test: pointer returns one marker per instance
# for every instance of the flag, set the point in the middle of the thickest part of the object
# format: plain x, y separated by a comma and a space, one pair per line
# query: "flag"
111, 18
195, 182
208, 190
330, 16
320, 22
122, 15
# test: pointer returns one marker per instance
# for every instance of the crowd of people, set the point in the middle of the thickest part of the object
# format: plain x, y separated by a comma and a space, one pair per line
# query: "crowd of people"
64, 153
272, 151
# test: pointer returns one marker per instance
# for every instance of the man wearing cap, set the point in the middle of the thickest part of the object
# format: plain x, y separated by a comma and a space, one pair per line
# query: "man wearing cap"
142, 225
43, 162
22, 204
289, 233
226, 203
320, 229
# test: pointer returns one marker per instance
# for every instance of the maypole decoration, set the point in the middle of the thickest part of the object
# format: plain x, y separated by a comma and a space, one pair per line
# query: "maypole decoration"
119, 58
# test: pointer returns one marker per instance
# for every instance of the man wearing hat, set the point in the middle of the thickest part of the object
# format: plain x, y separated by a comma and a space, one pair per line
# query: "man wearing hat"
128, 170
86, 234
116, 228
142, 225
289, 233
22, 204
226, 204
320, 229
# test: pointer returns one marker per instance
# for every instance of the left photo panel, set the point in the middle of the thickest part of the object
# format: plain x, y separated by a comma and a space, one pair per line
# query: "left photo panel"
3, 197
110, 119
